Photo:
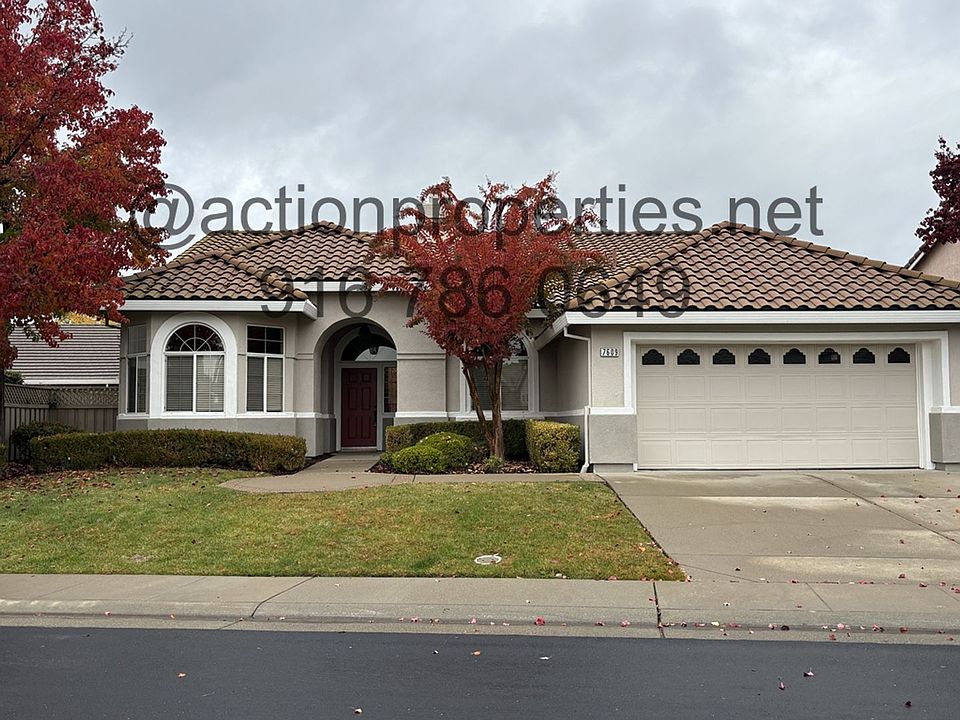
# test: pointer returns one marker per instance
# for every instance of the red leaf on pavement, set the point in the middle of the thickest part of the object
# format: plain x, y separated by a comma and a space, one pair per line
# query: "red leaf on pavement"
539, 621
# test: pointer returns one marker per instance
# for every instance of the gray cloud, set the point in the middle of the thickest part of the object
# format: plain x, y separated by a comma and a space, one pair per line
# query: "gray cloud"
671, 98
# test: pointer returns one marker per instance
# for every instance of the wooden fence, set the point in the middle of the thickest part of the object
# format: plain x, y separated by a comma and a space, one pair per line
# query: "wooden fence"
91, 409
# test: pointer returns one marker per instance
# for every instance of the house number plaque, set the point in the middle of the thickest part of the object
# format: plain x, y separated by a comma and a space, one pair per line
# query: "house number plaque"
609, 352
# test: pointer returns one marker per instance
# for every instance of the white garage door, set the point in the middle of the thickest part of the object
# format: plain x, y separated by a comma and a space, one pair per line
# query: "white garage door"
776, 406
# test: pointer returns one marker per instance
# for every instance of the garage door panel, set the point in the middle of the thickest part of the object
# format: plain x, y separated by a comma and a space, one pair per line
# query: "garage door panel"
690, 420
778, 415
761, 419
763, 387
796, 387
833, 419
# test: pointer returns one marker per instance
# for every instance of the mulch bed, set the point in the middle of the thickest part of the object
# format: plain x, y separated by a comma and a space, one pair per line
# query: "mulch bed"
509, 466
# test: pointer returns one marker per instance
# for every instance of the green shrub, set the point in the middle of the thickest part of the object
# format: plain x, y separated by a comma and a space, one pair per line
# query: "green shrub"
493, 465
553, 446
20, 438
169, 448
458, 450
386, 458
514, 435
420, 460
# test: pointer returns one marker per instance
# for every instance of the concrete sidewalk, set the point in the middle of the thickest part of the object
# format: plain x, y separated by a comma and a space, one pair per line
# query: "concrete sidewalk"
348, 471
662, 608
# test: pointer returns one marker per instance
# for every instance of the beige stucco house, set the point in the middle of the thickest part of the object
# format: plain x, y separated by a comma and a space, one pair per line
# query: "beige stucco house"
728, 348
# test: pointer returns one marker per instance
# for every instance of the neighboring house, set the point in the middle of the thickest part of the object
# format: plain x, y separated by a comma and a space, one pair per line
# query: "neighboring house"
773, 353
940, 259
90, 357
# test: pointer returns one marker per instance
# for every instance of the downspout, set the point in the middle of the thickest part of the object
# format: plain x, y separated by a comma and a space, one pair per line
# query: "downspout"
586, 408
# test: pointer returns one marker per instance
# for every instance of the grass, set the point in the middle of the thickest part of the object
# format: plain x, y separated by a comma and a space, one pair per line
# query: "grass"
179, 522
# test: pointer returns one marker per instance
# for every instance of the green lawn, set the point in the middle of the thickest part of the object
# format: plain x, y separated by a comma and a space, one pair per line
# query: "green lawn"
180, 522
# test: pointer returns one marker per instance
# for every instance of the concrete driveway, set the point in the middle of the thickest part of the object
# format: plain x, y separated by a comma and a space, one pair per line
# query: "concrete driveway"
816, 526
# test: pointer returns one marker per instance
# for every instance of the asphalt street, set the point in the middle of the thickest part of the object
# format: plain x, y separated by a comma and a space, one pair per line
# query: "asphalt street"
54, 673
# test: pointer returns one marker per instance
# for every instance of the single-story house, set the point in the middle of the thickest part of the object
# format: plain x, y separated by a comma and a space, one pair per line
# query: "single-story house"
727, 348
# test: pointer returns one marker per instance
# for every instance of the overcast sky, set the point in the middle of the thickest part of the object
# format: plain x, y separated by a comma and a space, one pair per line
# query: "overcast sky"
671, 99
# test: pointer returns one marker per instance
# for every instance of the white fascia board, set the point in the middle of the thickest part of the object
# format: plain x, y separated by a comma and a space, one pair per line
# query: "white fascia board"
652, 318
277, 306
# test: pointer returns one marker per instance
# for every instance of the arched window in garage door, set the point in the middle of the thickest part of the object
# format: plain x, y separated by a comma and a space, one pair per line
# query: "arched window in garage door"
652, 357
688, 357
898, 355
863, 356
758, 357
794, 356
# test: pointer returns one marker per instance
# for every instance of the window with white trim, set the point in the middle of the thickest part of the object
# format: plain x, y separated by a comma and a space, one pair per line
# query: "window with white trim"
194, 360
264, 369
514, 382
138, 369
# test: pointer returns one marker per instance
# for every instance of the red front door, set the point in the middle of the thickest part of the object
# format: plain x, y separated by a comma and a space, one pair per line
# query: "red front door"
358, 407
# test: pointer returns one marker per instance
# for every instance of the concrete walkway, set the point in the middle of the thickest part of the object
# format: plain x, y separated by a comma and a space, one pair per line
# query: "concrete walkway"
348, 470
713, 608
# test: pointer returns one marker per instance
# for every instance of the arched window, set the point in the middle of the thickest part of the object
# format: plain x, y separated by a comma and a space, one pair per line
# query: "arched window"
758, 357
724, 357
794, 356
514, 382
688, 357
829, 356
898, 355
194, 370
863, 356
652, 357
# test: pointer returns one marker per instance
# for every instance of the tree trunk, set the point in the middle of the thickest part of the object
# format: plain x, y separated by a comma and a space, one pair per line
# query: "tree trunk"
493, 385
493, 428
475, 401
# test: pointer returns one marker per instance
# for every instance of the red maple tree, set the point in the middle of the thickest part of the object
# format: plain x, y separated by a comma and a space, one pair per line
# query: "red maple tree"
477, 267
73, 171
942, 224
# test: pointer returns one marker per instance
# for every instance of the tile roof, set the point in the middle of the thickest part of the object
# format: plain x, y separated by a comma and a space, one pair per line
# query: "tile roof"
259, 265
727, 266
732, 267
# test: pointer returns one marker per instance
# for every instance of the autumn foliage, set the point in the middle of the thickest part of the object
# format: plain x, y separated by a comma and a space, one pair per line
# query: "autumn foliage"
942, 224
73, 170
477, 267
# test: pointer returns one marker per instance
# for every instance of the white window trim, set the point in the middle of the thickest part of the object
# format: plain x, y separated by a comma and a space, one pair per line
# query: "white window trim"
533, 389
283, 370
158, 364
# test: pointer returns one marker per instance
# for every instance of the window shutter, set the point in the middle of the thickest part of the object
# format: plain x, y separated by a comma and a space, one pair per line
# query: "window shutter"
274, 384
180, 383
254, 384
143, 367
209, 383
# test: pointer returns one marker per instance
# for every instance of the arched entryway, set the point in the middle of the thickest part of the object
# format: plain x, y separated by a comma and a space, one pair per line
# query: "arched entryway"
357, 378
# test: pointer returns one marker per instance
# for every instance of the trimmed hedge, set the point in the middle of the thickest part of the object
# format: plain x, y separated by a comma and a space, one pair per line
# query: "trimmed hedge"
553, 446
514, 435
434, 454
169, 448
20, 438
